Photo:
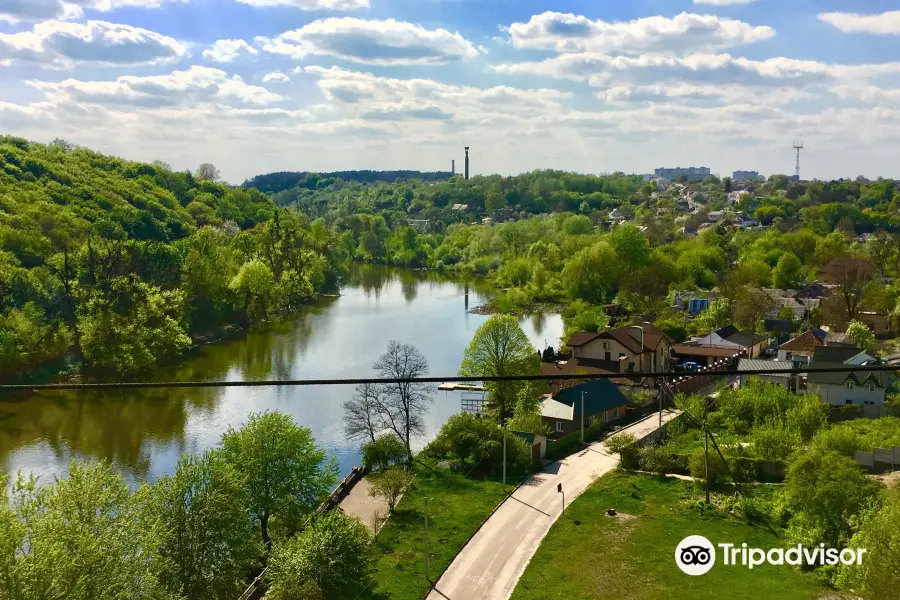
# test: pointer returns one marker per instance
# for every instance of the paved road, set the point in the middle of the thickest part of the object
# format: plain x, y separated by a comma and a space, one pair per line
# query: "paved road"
359, 503
490, 565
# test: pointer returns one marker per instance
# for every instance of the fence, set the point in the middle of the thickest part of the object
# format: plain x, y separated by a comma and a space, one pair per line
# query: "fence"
702, 379
848, 412
879, 460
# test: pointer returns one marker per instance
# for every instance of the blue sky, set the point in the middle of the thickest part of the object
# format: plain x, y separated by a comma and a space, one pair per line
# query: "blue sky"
592, 86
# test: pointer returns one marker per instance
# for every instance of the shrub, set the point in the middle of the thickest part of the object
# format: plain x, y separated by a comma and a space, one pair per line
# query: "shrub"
718, 471
478, 443
808, 416
656, 459
625, 445
774, 442
391, 484
385, 451
839, 439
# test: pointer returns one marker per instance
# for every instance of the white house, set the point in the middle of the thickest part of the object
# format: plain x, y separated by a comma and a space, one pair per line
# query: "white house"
837, 387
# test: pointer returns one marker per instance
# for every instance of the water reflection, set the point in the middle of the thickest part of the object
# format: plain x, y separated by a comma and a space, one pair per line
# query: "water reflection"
143, 432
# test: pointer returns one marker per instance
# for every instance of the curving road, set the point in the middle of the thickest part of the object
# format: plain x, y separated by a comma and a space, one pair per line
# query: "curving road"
490, 565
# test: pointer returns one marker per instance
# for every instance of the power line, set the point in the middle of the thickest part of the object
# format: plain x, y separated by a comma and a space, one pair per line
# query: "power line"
675, 375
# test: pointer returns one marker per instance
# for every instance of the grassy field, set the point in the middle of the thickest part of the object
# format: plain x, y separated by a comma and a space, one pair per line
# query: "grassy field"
456, 507
588, 555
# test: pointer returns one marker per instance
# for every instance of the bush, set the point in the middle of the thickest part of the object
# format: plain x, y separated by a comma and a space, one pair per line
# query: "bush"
625, 445
329, 559
478, 443
808, 416
387, 450
718, 471
774, 442
839, 439
391, 484
656, 459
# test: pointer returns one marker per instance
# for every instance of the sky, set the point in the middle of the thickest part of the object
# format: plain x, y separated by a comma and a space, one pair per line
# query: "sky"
594, 86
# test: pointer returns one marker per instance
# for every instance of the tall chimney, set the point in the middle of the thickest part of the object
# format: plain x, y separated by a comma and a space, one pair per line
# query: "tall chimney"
453, 167
467, 162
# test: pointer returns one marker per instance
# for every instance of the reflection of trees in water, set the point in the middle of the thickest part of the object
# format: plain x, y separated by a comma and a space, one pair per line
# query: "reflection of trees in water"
117, 426
409, 284
538, 322
371, 279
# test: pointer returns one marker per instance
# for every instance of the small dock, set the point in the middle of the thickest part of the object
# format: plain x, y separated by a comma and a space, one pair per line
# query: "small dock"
460, 387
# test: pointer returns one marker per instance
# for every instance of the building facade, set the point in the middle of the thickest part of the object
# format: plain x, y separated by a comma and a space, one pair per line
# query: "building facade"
744, 175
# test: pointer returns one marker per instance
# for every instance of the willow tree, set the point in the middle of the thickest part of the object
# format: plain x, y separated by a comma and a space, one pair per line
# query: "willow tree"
501, 349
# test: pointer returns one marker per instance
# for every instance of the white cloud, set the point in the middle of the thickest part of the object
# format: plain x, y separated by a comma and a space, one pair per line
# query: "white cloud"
195, 86
374, 42
601, 70
884, 24
224, 51
724, 2
561, 32
312, 4
14, 11
63, 44
276, 76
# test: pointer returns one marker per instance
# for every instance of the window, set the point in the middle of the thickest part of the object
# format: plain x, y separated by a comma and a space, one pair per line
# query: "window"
605, 415
606, 345
591, 420
848, 402
608, 356
616, 413
559, 427
870, 387
849, 384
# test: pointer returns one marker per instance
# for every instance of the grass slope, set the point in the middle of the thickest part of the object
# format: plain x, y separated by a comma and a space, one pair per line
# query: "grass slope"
456, 507
588, 555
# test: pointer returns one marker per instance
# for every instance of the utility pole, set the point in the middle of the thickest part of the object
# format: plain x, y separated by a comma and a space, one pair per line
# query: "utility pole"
582, 417
504, 454
426, 539
706, 461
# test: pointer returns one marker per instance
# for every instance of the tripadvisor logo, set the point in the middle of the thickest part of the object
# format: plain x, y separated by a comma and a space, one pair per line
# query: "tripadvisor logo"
696, 555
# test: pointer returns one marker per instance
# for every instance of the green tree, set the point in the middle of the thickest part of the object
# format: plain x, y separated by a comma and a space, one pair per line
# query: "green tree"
592, 274
280, 466
788, 272
331, 559
390, 485
717, 315
385, 451
201, 536
631, 247
254, 286
78, 538
752, 305
877, 577
826, 490
860, 333
500, 349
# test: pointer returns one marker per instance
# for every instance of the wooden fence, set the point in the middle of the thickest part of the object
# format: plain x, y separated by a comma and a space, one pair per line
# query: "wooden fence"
698, 381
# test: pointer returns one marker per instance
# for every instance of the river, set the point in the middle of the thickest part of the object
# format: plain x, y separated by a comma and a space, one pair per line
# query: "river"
143, 432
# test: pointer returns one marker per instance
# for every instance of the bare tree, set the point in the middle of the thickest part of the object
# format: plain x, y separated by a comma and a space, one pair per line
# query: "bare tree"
362, 419
851, 276
207, 172
162, 165
402, 402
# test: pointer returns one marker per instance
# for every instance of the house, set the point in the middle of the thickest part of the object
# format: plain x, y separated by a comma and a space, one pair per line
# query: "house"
782, 377
616, 217
602, 400
878, 323
787, 299
537, 443
838, 387
800, 348
635, 349
747, 342
715, 216
702, 355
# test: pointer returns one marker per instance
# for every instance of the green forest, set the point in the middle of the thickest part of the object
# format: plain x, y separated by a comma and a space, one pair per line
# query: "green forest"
108, 265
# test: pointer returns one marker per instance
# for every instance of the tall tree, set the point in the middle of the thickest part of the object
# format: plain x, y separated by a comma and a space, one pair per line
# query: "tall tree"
501, 349
201, 536
850, 275
207, 172
362, 414
282, 469
877, 577
751, 307
403, 402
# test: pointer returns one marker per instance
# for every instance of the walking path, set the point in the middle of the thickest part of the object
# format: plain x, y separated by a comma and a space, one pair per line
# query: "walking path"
359, 503
490, 565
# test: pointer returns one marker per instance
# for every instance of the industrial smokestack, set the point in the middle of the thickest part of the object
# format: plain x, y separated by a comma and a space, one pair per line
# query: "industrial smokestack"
453, 167
467, 162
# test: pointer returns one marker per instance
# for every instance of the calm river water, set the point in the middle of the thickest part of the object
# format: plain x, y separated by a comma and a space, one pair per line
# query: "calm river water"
143, 433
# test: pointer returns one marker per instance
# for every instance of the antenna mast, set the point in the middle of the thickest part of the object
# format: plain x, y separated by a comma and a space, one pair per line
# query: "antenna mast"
798, 146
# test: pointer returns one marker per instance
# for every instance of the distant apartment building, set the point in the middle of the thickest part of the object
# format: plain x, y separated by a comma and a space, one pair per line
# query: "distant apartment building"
744, 175
684, 173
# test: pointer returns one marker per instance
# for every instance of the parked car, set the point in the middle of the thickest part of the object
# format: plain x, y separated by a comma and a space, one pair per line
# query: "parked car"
689, 366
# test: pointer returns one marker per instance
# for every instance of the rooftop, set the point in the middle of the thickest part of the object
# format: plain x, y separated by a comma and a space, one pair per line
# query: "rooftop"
747, 364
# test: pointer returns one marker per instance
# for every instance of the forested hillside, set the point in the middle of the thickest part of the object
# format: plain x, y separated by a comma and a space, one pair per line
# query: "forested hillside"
285, 180
123, 263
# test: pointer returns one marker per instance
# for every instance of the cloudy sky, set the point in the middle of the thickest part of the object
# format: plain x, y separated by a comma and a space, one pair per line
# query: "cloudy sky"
588, 85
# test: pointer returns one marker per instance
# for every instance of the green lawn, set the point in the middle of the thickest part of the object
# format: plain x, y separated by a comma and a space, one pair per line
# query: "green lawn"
456, 507
588, 555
